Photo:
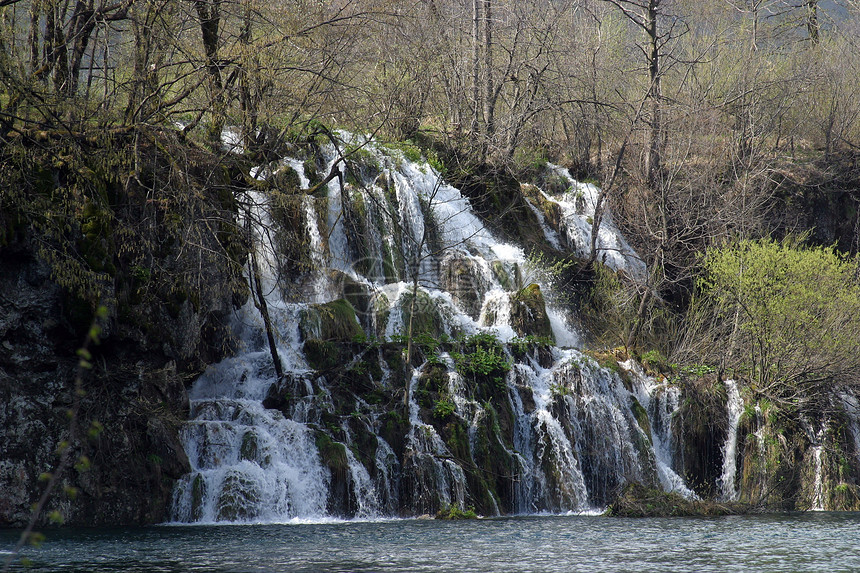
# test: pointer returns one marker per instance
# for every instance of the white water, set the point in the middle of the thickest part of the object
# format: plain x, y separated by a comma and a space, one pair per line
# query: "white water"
573, 438
734, 407
577, 205
660, 401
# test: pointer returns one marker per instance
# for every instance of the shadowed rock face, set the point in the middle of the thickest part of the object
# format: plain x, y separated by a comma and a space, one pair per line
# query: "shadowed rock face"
127, 452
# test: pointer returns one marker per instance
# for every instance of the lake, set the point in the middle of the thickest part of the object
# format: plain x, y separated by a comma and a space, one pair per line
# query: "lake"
795, 542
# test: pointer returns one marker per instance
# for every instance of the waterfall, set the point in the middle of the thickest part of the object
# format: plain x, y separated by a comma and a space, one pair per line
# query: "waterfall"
734, 406
498, 409
660, 401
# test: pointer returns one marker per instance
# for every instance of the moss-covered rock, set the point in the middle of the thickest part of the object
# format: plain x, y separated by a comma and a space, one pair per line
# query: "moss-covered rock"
322, 354
334, 321
249, 448
427, 318
528, 313
700, 428
454, 512
463, 279
334, 458
503, 276
771, 451
637, 500
238, 499
551, 211
641, 416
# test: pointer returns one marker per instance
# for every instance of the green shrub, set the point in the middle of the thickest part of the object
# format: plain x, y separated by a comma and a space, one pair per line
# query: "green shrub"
790, 314
443, 408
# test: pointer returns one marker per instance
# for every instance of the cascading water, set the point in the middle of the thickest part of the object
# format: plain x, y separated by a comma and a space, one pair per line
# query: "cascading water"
734, 405
495, 410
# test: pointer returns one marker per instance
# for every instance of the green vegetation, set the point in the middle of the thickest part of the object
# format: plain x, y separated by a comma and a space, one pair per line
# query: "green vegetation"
638, 500
483, 360
443, 408
332, 321
790, 312
456, 512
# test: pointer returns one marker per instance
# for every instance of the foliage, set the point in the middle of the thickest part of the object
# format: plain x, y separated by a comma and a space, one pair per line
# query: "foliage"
483, 358
521, 345
443, 408
793, 311
455, 512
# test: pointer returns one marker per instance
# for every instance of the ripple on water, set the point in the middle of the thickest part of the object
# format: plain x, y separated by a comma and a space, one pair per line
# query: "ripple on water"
807, 542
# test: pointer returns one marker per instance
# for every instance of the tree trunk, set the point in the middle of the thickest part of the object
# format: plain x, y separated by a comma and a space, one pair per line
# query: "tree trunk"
260, 300
476, 65
654, 152
489, 96
813, 28
209, 14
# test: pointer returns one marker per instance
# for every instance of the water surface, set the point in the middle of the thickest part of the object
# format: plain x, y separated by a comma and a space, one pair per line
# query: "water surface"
807, 542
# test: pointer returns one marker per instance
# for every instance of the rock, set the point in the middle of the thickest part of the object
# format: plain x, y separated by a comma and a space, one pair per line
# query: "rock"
637, 500
128, 451
462, 277
333, 321
528, 313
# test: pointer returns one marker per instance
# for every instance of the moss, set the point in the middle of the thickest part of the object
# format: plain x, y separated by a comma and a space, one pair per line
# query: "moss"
332, 454
551, 211
432, 385
427, 319
641, 416
528, 313
637, 500
248, 449
394, 428
462, 278
321, 354
501, 274
292, 242
239, 499
198, 493
456, 436
286, 179
332, 321
312, 171
701, 425
774, 466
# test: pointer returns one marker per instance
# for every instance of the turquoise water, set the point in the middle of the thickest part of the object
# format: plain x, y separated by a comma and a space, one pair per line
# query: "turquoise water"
807, 542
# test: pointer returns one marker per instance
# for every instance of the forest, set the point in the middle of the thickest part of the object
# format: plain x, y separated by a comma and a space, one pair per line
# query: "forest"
723, 136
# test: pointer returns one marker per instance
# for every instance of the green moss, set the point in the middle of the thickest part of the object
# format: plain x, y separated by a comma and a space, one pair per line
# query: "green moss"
638, 500
501, 274
528, 313
321, 354
311, 172
427, 319
332, 321
286, 179
332, 454
238, 499
432, 385
198, 492
248, 449
641, 416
